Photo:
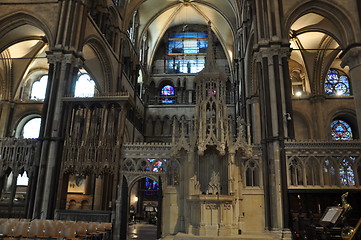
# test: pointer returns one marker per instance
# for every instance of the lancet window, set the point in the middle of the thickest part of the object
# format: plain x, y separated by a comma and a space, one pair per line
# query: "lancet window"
252, 173
38, 88
85, 86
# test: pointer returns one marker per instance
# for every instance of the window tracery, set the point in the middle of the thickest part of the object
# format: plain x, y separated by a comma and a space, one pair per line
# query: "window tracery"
337, 83
347, 175
252, 173
296, 171
341, 130
84, 86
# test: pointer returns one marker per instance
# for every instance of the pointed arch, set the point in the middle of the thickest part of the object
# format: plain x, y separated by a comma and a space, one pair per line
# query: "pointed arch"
339, 17
15, 20
100, 67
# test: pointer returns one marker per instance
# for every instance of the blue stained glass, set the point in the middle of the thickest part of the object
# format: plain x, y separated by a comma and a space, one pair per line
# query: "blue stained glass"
188, 35
151, 184
341, 130
167, 95
347, 175
157, 165
337, 84
188, 49
167, 90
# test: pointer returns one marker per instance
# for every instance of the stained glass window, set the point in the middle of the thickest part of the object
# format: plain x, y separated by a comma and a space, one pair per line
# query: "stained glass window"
151, 187
38, 88
329, 173
151, 184
157, 165
167, 94
188, 51
337, 83
341, 130
347, 175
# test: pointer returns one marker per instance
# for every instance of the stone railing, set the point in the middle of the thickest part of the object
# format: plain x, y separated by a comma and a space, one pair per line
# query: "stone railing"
323, 164
17, 154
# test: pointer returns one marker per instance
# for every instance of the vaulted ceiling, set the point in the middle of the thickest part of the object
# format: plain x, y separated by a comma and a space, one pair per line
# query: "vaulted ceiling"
156, 16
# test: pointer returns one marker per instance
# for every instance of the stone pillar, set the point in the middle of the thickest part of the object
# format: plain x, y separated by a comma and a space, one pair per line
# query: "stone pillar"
189, 173
352, 58
274, 129
64, 67
64, 62
171, 215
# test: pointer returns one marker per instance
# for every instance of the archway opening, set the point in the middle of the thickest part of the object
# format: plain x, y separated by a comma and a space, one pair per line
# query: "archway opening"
145, 203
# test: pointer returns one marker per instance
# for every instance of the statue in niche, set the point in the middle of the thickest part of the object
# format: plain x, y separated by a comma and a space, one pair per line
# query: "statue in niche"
214, 185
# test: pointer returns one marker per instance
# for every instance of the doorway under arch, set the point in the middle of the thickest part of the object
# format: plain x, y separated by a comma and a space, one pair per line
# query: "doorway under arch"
143, 198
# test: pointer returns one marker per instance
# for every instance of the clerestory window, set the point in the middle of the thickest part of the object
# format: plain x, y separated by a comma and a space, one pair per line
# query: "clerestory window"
337, 83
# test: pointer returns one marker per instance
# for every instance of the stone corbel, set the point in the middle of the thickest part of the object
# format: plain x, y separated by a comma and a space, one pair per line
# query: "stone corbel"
351, 58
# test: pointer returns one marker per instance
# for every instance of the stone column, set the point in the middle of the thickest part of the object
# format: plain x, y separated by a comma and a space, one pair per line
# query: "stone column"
189, 172
274, 129
64, 62
352, 58
63, 66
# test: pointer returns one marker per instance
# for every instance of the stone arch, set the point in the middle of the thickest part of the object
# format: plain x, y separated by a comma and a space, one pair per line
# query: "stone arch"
157, 127
33, 76
103, 74
337, 16
166, 130
18, 19
133, 179
18, 28
23, 120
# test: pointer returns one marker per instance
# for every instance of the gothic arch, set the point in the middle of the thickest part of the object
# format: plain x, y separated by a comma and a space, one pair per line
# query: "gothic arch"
15, 20
339, 18
22, 120
104, 78
133, 179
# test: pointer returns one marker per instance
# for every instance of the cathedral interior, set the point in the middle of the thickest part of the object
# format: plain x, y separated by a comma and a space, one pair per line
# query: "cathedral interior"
210, 119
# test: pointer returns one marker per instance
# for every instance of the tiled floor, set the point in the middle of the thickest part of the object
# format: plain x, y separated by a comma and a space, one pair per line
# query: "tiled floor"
142, 231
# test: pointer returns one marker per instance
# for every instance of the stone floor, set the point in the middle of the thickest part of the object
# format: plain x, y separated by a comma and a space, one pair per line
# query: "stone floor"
142, 231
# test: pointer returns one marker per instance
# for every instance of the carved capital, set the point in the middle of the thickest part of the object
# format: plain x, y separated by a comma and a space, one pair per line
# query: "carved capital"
271, 51
67, 58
